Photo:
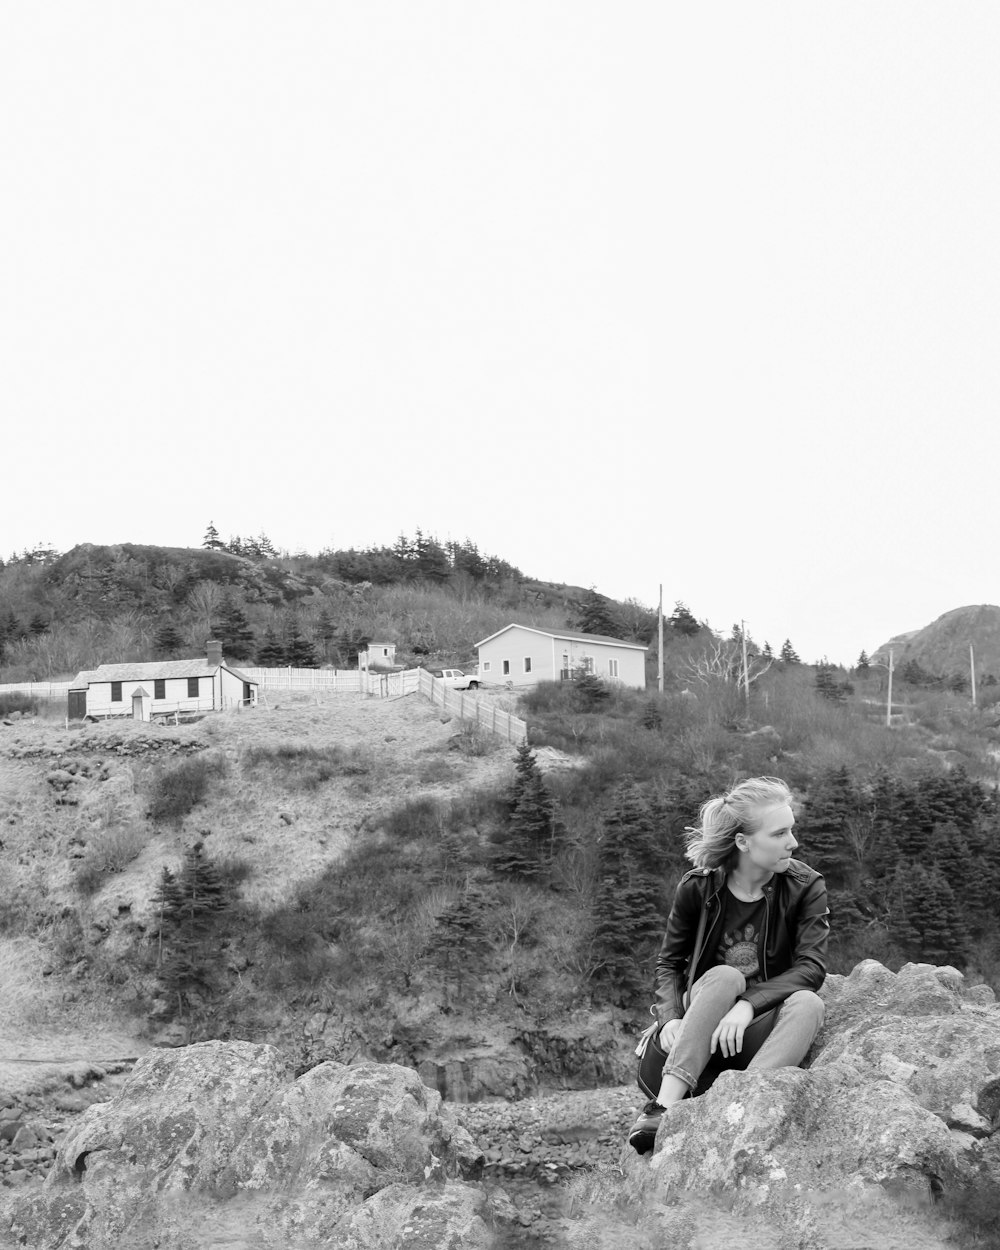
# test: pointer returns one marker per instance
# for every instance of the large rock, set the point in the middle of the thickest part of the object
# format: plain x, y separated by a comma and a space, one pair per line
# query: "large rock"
895, 1113
921, 1028
218, 1137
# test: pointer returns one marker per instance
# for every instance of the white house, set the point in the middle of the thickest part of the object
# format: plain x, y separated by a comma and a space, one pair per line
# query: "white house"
161, 688
523, 655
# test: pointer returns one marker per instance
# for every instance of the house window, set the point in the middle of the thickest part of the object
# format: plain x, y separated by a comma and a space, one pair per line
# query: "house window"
486, 666
588, 663
385, 650
565, 673
116, 692
527, 663
613, 668
506, 668
192, 687
159, 687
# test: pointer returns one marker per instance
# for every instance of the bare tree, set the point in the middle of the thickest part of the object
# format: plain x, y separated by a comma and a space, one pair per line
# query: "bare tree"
722, 661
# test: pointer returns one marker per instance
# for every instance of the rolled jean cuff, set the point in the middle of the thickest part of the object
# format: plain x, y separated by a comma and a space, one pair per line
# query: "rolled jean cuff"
671, 1069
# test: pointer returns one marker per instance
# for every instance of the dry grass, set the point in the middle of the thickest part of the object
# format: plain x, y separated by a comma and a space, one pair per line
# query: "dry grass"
28, 999
107, 853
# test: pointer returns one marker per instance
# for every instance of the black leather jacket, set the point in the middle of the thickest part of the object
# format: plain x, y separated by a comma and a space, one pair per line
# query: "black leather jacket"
793, 941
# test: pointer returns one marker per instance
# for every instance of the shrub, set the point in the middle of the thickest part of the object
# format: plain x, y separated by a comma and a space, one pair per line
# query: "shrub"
107, 853
295, 766
14, 702
473, 740
421, 818
179, 788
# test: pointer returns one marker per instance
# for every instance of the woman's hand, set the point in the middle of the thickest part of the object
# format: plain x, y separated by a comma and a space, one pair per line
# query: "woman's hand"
728, 1035
668, 1034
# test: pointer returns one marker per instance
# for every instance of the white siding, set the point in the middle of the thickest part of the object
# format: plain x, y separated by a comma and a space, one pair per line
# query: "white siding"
176, 698
546, 653
517, 645
232, 689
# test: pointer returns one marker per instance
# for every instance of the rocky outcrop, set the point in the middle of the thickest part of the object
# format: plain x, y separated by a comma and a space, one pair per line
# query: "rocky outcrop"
883, 1141
219, 1136
889, 1139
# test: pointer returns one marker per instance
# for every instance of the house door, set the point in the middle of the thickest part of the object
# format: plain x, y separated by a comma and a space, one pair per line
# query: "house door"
137, 707
247, 696
77, 709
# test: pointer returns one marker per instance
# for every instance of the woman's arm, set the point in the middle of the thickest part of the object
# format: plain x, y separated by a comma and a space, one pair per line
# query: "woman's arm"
810, 924
676, 949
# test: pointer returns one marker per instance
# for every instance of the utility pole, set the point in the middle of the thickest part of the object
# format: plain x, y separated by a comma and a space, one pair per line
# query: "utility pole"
746, 667
972, 672
888, 702
659, 628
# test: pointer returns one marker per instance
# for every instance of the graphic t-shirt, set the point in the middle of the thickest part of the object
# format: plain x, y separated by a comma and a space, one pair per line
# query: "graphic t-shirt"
741, 928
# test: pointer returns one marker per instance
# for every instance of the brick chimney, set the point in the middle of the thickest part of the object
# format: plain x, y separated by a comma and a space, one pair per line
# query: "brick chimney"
213, 653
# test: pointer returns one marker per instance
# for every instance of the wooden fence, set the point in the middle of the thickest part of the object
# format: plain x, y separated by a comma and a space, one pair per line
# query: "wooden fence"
38, 689
336, 681
466, 705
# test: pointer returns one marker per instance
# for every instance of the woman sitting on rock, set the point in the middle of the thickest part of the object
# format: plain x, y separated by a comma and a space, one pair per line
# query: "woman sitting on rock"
743, 955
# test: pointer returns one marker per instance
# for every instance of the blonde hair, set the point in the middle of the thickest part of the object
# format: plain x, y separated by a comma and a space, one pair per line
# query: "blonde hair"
712, 842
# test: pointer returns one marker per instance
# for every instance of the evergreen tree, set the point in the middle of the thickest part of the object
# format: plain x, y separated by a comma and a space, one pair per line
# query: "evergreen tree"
824, 825
326, 630
168, 639
271, 651
431, 559
529, 841
590, 691
38, 624
212, 541
189, 907
767, 653
629, 901
595, 615
884, 853
864, 664
299, 651
829, 687
458, 942
788, 653
926, 919
234, 629
682, 620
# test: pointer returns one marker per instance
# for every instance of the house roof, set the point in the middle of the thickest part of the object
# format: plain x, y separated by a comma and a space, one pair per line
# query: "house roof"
568, 635
152, 670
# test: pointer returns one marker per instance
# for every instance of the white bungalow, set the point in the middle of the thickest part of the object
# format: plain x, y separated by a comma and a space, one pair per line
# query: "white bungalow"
523, 655
161, 688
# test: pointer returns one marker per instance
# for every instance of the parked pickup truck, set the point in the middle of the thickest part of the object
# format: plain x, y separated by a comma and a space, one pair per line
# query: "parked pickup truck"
456, 679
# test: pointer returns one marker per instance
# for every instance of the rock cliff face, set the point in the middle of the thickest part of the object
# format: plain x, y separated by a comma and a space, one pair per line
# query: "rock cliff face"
942, 647
216, 1144
884, 1141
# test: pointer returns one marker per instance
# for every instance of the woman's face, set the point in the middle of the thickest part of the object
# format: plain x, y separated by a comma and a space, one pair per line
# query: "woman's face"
772, 842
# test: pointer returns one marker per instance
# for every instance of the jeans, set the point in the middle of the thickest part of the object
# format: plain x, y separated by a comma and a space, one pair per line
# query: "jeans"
779, 1038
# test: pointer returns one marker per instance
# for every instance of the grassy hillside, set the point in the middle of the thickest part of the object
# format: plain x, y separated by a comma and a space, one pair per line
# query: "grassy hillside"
364, 852
60, 613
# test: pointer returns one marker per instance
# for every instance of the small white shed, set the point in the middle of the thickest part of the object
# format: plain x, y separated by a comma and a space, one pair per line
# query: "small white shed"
378, 655
524, 655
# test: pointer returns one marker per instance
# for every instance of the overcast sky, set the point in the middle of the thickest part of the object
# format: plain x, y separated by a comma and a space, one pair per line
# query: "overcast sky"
628, 293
